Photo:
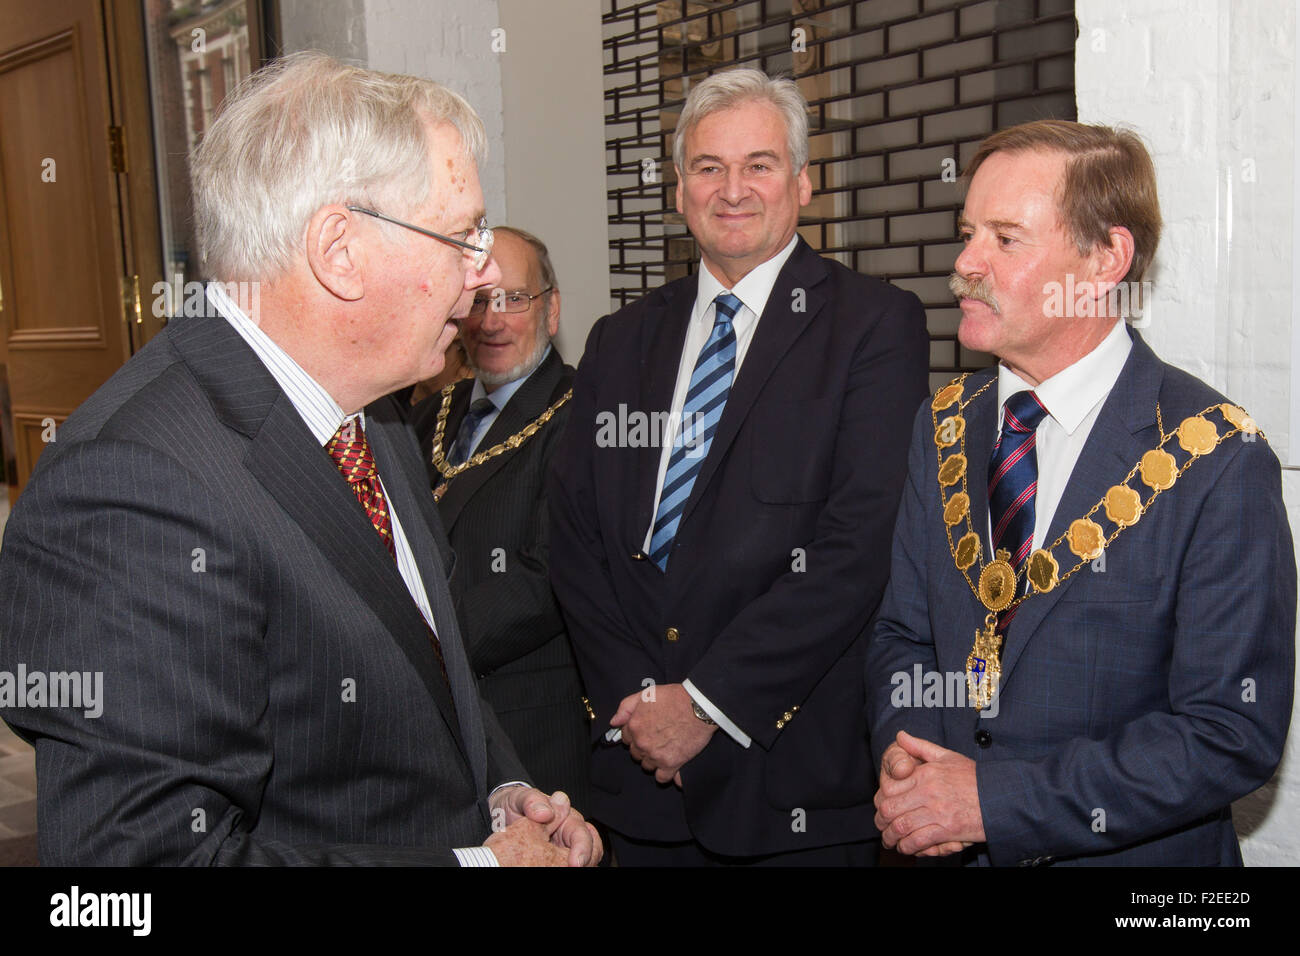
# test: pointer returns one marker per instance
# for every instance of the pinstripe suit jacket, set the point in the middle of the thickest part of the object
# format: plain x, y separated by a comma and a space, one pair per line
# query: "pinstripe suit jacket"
515, 636
270, 692
1137, 702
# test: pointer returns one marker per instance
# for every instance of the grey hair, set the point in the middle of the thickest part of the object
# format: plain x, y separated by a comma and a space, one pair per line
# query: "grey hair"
306, 131
539, 250
731, 88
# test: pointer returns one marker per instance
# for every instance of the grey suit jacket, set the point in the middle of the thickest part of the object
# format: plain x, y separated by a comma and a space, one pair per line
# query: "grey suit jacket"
1136, 702
270, 692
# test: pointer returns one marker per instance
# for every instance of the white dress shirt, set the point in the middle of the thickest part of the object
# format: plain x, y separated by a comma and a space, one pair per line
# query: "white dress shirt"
1073, 398
753, 292
323, 417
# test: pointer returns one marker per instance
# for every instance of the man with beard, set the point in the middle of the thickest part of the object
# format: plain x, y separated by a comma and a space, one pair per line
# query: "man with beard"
488, 443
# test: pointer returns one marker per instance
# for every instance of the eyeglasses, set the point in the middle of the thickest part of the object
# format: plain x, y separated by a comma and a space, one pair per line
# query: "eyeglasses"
483, 236
503, 301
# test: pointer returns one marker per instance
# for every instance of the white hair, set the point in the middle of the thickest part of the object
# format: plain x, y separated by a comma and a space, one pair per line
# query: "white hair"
306, 131
733, 87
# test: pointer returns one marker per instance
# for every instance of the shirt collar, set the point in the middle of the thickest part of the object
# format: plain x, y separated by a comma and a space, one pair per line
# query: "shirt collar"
1072, 393
318, 410
753, 290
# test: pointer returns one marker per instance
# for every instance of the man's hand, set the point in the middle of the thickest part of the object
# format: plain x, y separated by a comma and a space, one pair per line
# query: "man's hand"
526, 843
928, 802
559, 822
662, 733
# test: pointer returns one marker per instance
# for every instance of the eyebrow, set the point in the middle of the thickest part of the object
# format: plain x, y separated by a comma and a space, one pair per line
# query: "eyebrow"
756, 154
1003, 224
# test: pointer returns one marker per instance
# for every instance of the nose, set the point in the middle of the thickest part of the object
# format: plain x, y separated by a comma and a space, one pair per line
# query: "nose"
734, 187
489, 276
972, 262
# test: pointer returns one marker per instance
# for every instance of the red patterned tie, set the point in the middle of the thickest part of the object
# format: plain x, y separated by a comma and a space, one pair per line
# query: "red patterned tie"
351, 452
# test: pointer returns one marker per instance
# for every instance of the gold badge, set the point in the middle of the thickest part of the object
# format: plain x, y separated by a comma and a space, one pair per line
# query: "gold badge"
984, 664
1238, 417
952, 470
950, 431
1086, 538
1043, 570
1123, 505
946, 396
968, 550
956, 508
439, 491
998, 583
1159, 470
1197, 435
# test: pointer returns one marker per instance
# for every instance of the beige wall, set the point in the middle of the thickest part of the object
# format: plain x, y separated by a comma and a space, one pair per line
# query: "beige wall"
555, 149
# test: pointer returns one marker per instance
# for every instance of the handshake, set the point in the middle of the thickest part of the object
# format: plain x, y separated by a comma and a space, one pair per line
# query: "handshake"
928, 801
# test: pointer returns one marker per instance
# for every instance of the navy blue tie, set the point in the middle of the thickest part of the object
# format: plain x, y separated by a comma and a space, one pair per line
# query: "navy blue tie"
465, 437
705, 398
1013, 477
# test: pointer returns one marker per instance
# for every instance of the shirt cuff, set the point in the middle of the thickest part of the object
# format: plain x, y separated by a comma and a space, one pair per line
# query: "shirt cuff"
719, 718
476, 856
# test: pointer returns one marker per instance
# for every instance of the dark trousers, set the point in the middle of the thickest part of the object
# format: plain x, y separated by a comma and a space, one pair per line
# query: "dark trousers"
633, 852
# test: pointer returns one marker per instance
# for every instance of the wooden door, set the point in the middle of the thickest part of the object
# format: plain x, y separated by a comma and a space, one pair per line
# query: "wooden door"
68, 246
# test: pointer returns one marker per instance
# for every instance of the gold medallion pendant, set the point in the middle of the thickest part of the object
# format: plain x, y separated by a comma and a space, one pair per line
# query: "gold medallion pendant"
952, 470
950, 431
1123, 505
946, 396
968, 550
440, 491
1197, 435
1237, 417
1158, 469
984, 664
1087, 540
956, 508
998, 582
1043, 571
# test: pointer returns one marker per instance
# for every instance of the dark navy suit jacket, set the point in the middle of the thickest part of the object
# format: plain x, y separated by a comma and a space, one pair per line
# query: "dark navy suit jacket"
1137, 702
779, 562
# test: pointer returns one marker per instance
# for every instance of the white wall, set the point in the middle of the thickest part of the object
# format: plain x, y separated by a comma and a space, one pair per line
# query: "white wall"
1210, 86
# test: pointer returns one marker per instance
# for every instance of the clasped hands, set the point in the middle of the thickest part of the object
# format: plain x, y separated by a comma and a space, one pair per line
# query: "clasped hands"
537, 830
928, 802
661, 730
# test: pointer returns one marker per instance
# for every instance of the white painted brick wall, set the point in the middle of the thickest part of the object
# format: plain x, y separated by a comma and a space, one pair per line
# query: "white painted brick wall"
1209, 84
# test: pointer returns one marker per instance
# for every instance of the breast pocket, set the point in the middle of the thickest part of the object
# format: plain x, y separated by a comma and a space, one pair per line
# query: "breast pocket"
792, 446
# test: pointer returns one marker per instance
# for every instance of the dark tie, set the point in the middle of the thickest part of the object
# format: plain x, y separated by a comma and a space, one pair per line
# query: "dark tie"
705, 398
1013, 479
468, 426
351, 452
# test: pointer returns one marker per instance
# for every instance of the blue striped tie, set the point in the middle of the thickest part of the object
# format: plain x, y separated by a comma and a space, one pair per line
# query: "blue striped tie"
1013, 480
705, 399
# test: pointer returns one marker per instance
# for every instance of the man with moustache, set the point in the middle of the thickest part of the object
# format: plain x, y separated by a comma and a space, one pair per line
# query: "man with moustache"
235, 529
1120, 596
488, 442
718, 584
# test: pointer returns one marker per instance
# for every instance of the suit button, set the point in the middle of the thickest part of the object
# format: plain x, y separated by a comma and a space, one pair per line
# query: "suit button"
671, 634
984, 739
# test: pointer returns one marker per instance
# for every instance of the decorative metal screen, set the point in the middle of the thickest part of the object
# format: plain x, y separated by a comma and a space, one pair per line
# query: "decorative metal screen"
900, 93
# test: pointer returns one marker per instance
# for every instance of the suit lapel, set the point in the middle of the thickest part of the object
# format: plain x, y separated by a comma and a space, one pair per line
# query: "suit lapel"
409, 500
299, 474
777, 330
525, 405
1112, 448
664, 337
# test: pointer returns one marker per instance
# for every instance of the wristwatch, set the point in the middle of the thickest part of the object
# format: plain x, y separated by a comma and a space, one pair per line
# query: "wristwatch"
698, 711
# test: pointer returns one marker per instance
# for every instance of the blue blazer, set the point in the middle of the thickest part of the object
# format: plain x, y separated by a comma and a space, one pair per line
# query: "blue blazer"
779, 562
1137, 702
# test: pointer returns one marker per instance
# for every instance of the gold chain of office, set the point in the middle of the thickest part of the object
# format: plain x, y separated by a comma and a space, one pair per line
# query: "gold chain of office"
999, 582
449, 471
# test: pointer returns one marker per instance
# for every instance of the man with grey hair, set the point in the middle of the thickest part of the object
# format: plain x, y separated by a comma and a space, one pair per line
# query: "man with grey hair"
235, 530
488, 443
718, 570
